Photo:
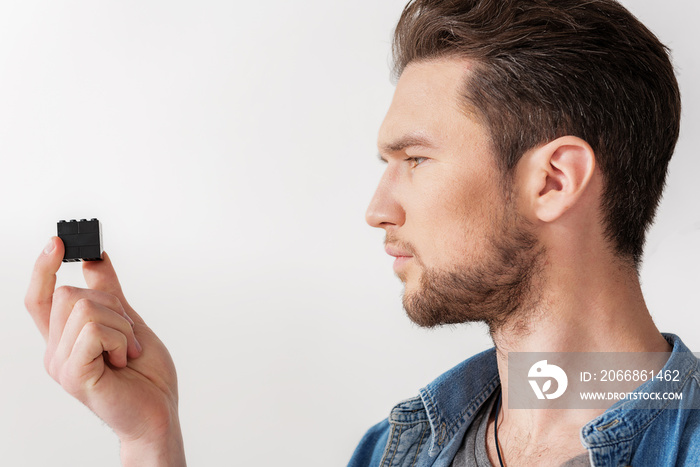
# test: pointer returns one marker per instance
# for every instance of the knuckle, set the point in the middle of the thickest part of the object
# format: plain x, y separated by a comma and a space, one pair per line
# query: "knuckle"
91, 330
31, 302
114, 303
64, 293
67, 379
83, 309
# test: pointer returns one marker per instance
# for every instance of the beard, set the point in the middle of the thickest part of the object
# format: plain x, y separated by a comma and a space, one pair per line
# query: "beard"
497, 288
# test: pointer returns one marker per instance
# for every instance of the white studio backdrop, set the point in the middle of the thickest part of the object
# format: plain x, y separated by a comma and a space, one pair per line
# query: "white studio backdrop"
229, 150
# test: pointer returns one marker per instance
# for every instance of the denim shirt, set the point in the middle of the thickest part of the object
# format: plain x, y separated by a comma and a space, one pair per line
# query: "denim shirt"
427, 430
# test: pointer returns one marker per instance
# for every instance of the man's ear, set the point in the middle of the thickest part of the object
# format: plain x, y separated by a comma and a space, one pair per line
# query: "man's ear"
554, 176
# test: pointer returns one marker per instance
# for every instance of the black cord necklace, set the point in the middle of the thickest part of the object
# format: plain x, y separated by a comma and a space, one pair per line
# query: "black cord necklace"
495, 428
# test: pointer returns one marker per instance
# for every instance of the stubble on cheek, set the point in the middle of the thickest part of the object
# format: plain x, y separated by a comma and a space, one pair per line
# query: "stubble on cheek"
491, 285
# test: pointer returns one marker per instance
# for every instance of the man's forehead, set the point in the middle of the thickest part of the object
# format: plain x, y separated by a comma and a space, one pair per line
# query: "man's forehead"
427, 101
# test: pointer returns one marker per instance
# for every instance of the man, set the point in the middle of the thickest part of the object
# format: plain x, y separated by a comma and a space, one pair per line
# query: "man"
526, 149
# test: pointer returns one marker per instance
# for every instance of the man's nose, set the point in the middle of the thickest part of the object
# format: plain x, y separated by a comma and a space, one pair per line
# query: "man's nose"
384, 209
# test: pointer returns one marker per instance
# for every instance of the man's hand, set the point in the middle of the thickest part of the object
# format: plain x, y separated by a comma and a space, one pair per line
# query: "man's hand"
101, 352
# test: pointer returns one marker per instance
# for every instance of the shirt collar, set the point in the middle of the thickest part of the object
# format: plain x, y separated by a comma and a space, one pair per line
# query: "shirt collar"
453, 399
626, 417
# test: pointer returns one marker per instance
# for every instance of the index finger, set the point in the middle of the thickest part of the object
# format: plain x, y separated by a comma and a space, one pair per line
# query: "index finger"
100, 275
41, 287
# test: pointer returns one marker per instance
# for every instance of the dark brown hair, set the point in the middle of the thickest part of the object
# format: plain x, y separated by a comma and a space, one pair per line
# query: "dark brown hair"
550, 68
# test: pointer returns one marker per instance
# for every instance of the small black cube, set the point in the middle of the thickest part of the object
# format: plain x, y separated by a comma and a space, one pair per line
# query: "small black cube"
82, 239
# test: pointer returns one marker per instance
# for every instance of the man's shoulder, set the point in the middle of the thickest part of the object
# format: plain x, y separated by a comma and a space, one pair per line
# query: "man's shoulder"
371, 447
669, 434
445, 404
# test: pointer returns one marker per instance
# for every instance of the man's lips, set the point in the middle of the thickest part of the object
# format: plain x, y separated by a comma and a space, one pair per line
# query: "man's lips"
401, 256
397, 253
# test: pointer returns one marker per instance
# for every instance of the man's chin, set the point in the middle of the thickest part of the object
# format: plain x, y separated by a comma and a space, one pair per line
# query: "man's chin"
419, 314
417, 308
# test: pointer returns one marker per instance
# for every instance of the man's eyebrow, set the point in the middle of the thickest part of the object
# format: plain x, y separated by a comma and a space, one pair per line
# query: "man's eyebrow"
403, 143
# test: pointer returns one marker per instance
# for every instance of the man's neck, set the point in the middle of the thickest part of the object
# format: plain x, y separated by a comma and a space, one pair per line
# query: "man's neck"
585, 311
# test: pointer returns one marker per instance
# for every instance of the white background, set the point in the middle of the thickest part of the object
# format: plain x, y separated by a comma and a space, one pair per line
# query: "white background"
229, 149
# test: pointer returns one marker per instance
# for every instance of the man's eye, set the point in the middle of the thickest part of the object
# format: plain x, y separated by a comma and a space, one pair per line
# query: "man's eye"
416, 160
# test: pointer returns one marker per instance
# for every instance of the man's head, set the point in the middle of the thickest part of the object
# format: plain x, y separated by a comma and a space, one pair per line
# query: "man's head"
483, 83
462, 250
545, 69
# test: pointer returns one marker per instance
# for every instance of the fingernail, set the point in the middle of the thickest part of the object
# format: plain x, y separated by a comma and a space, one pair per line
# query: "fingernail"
49, 247
138, 345
128, 318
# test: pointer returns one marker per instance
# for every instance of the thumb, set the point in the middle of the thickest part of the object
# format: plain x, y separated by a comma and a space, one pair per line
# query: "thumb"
39, 297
